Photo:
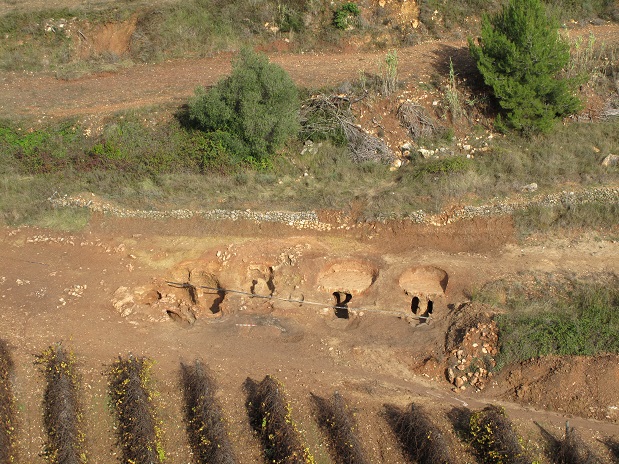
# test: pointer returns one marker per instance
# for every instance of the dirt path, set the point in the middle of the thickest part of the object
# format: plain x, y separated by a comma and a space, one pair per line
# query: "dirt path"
173, 82
44, 96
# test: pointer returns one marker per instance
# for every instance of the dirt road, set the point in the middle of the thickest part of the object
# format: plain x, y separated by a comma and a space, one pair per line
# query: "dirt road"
44, 96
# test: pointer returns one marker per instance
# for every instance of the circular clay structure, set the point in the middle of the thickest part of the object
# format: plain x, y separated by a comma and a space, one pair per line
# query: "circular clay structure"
351, 276
424, 280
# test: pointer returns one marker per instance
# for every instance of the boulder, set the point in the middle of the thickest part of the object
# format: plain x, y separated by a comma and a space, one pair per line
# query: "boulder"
610, 161
450, 375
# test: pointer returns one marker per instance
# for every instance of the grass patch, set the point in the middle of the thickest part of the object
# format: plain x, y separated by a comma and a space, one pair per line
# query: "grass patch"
437, 15
7, 406
560, 317
545, 219
38, 40
338, 423
62, 415
26, 44
68, 220
158, 165
45, 39
570, 154
208, 438
131, 398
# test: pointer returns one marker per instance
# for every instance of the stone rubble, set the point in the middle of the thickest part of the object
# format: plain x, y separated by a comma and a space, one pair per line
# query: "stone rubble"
470, 364
309, 219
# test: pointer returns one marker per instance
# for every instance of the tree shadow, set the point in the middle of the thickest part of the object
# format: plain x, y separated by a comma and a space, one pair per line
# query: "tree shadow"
461, 59
552, 444
184, 118
250, 386
469, 80
420, 438
613, 445
460, 418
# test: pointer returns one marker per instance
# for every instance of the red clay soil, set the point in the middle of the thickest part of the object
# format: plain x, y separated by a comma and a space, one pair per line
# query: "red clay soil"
61, 287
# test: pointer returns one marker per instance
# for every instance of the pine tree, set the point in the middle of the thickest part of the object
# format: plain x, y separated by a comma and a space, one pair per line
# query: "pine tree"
521, 56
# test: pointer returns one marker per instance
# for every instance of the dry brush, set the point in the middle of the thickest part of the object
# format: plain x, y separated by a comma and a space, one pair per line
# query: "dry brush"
7, 406
131, 396
271, 417
62, 415
204, 419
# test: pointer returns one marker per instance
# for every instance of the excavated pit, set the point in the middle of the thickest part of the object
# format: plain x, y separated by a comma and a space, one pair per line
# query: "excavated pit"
260, 278
424, 284
424, 281
353, 277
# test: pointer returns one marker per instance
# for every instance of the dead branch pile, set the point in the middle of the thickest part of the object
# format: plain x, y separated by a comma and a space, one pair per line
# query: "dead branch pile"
61, 410
322, 117
131, 399
338, 422
419, 437
610, 113
7, 406
366, 147
416, 120
204, 418
330, 117
494, 438
573, 450
270, 416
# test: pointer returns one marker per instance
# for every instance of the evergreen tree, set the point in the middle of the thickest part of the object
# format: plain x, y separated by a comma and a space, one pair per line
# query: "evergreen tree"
521, 56
253, 111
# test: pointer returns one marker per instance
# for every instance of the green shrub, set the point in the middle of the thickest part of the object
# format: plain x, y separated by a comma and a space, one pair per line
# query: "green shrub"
346, 15
521, 57
449, 165
256, 107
